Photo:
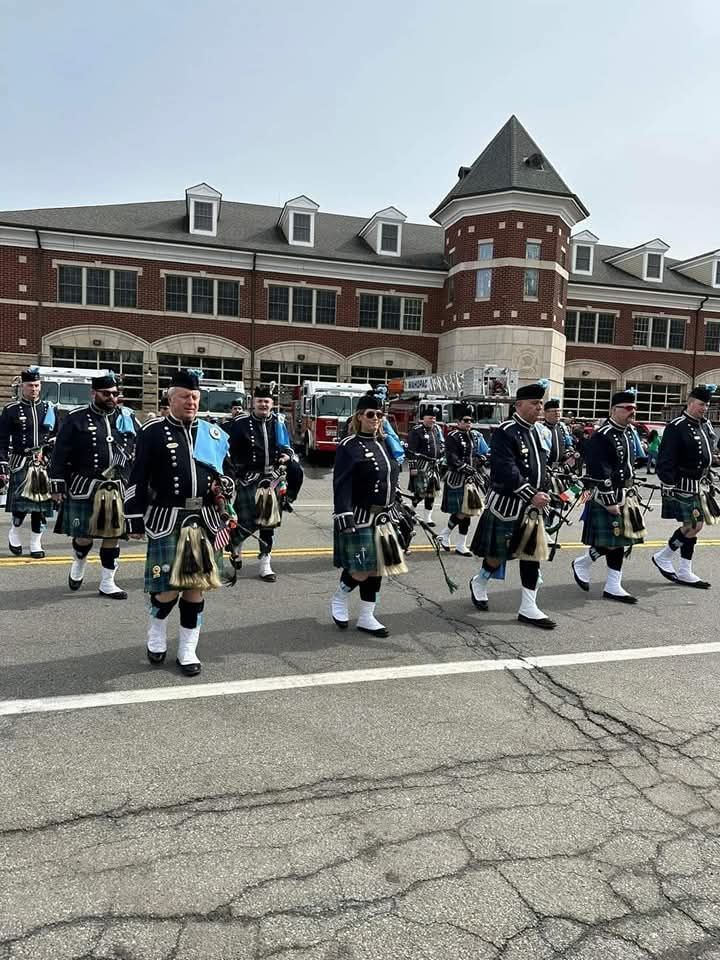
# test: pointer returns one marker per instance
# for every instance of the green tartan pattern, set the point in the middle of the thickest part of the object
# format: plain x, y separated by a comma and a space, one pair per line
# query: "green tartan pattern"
245, 506
74, 517
418, 485
17, 504
355, 551
600, 531
452, 499
684, 507
161, 557
492, 536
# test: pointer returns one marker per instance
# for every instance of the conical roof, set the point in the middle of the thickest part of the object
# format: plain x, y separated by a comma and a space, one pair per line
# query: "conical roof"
511, 161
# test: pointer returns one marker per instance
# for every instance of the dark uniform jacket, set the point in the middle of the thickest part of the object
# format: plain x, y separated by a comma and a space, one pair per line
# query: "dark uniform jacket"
518, 462
686, 452
424, 443
558, 448
166, 477
459, 457
254, 449
90, 443
21, 429
365, 476
609, 455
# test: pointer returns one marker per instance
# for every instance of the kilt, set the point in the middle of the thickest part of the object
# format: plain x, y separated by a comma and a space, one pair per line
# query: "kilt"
246, 509
424, 483
17, 504
355, 551
74, 516
161, 557
684, 507
452, 498
493, 535
599, 531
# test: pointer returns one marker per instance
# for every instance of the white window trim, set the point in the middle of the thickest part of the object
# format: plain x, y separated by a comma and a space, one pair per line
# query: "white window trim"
389, 253
302, 243
537, 243
481, 243
654, 253
594, 342
403, 297
584, 273
716, 274
215, 205
315, 290
490, 271
201, 276
533, 298
85, 266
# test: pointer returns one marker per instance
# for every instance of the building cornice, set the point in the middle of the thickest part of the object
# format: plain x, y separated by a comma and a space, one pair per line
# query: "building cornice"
520, 201
589, 293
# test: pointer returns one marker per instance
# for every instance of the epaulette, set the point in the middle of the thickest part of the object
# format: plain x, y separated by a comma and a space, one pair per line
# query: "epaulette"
151, 422
350, 436
82, 406
505, 424
13, 403
678, 419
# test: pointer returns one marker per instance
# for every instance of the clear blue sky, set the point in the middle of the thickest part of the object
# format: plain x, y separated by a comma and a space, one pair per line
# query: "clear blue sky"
363, 104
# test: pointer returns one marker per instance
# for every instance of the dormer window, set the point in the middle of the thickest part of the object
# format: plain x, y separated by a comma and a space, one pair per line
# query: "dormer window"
383, 232
583, 252
203, 209
583, 259
716, 282
389, 237
653, 266
297, 221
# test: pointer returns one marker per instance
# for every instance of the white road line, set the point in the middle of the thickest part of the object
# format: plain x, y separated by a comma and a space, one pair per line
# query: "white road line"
191, 691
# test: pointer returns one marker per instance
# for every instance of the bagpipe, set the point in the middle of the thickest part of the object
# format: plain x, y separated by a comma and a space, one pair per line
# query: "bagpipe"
633, 509
710, 497
407, 521
37, 482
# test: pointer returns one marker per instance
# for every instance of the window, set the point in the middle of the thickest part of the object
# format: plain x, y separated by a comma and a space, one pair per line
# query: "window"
302, 305
206, 295
712, 337
390, 312
381, 374
483, 284
653, 397
717, 273
450, 290
532, 250
664, 333
127, 363
302, 228
587, 399
288, 375
530, 288
485, 250
202, 216
389, 237
97, 286
214, 368
583, 259
653, 266
589, 327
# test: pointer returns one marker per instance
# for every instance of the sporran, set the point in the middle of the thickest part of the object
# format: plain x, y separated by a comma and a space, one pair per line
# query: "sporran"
194, 567
107, 520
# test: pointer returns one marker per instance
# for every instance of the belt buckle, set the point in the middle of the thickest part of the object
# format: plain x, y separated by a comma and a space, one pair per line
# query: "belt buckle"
193, 503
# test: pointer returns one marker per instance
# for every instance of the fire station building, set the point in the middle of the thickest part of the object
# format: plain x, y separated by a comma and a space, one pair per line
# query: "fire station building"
507, 276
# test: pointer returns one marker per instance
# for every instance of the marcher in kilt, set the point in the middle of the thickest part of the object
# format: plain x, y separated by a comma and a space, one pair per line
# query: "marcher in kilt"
425, 449
89, 468
685, 456
459, 458
176, 484
609, 456
518, 462
561, 451
26, 427
262, 458
364, 484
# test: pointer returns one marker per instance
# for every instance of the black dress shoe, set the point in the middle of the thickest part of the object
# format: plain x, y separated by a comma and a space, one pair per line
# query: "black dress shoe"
628, 598
15, 551
583, 584
478, 604
544, 624
37, 554
342, 624
236, 562
698, 584
380, 632
269, 578
189, 669
672, 577
74, 584
118, 595
155, 658
464, 553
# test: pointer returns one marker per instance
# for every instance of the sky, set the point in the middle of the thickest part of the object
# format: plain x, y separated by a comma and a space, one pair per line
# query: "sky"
364, 104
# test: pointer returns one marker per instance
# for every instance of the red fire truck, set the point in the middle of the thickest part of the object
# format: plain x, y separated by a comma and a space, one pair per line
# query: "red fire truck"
318, 414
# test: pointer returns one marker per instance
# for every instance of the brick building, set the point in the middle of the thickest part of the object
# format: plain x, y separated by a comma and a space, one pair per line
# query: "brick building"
261, 293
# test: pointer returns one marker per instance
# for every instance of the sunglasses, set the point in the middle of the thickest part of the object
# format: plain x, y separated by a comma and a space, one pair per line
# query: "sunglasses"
373, 414
109, 393
627, 406
466, 420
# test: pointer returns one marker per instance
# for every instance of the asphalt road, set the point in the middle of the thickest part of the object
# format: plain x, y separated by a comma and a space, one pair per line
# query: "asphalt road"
443, 806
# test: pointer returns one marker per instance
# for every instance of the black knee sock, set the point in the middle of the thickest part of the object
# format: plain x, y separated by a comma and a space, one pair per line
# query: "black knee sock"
453, 521
529, 574
614, 558
464, 525
677, 539
36, 522
687, 549
429, 501
18, 517
370, 588
108, 557
190, 613
266, 537
161, 609
488, 567
81, 549
348, 580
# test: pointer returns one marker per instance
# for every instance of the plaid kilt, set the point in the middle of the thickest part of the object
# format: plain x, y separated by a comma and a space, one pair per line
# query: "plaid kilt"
355, 551
684, 507
246, 509
493, 535
74, 517
161, 557
17, 504
599, 531
423, 484
452, 498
